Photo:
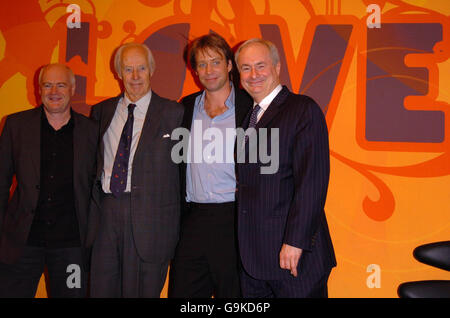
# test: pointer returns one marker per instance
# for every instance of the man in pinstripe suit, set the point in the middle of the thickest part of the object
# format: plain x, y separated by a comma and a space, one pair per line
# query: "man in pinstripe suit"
284, 241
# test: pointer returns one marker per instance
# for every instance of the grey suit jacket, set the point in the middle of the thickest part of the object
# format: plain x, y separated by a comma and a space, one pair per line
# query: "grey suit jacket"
20, 155
155, 186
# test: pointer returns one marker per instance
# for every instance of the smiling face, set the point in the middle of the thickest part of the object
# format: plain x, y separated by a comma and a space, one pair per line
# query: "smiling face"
135, 72
212, 69
259, 76
56, 88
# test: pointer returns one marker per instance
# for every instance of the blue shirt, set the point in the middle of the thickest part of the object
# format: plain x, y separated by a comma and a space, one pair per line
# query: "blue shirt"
210, 174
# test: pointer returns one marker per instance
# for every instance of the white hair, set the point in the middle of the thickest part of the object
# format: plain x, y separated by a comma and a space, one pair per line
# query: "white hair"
275, 57
118, 60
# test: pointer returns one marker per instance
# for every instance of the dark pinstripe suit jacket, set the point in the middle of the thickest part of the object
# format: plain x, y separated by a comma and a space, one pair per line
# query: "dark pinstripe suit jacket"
155, 187
287, 206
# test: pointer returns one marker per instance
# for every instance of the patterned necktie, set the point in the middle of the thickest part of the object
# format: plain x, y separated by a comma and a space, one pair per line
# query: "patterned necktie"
120, 169
253, 119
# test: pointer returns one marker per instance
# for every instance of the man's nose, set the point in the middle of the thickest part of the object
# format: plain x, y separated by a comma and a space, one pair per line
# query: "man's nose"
208, 68
135, 74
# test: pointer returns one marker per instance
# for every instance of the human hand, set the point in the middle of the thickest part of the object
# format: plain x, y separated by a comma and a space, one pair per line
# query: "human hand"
289, 257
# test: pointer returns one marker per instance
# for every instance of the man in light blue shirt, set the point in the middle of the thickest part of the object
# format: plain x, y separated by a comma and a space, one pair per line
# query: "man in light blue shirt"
212, 179
206, 261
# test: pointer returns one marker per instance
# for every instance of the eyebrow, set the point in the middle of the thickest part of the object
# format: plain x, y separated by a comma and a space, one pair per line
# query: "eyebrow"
140, 65
210, 59
47, 82
256, 64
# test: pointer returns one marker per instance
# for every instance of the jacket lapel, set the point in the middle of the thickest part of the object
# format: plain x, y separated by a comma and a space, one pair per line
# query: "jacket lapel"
243, 104
108, 115
189, 103
105, 120
78, 147
274, 108
34, 141
187, 117
150, 128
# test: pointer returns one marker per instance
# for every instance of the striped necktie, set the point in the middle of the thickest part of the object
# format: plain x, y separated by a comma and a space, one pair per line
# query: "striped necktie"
253, 119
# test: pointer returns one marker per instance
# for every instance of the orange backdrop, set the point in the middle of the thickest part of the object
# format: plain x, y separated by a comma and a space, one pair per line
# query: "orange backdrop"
385, 93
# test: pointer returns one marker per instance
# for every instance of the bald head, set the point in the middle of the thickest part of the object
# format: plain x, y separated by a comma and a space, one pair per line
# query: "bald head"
55, 66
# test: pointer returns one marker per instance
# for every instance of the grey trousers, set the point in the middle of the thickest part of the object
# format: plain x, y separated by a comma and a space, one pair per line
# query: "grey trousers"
116, 268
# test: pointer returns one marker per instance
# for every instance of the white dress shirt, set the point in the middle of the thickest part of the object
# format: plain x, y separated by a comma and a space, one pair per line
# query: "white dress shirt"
264, 104
112, 137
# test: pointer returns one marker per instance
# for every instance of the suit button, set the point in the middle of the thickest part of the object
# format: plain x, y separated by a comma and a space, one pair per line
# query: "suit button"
244, 211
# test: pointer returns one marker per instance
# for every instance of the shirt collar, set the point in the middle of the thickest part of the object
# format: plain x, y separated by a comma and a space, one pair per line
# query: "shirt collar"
141, 104
69, 126
231, 98
229, 102
264, 104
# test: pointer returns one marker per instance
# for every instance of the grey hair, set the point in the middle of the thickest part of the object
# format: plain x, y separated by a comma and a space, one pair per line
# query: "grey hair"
117, 57
69, 71
275, 57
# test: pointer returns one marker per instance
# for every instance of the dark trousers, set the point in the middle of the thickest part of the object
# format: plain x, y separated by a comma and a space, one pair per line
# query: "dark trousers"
65, 275
302, 286
116, 268
205, 262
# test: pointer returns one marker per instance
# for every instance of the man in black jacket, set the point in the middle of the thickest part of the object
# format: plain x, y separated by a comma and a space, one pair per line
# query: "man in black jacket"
206, 261
51, 152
